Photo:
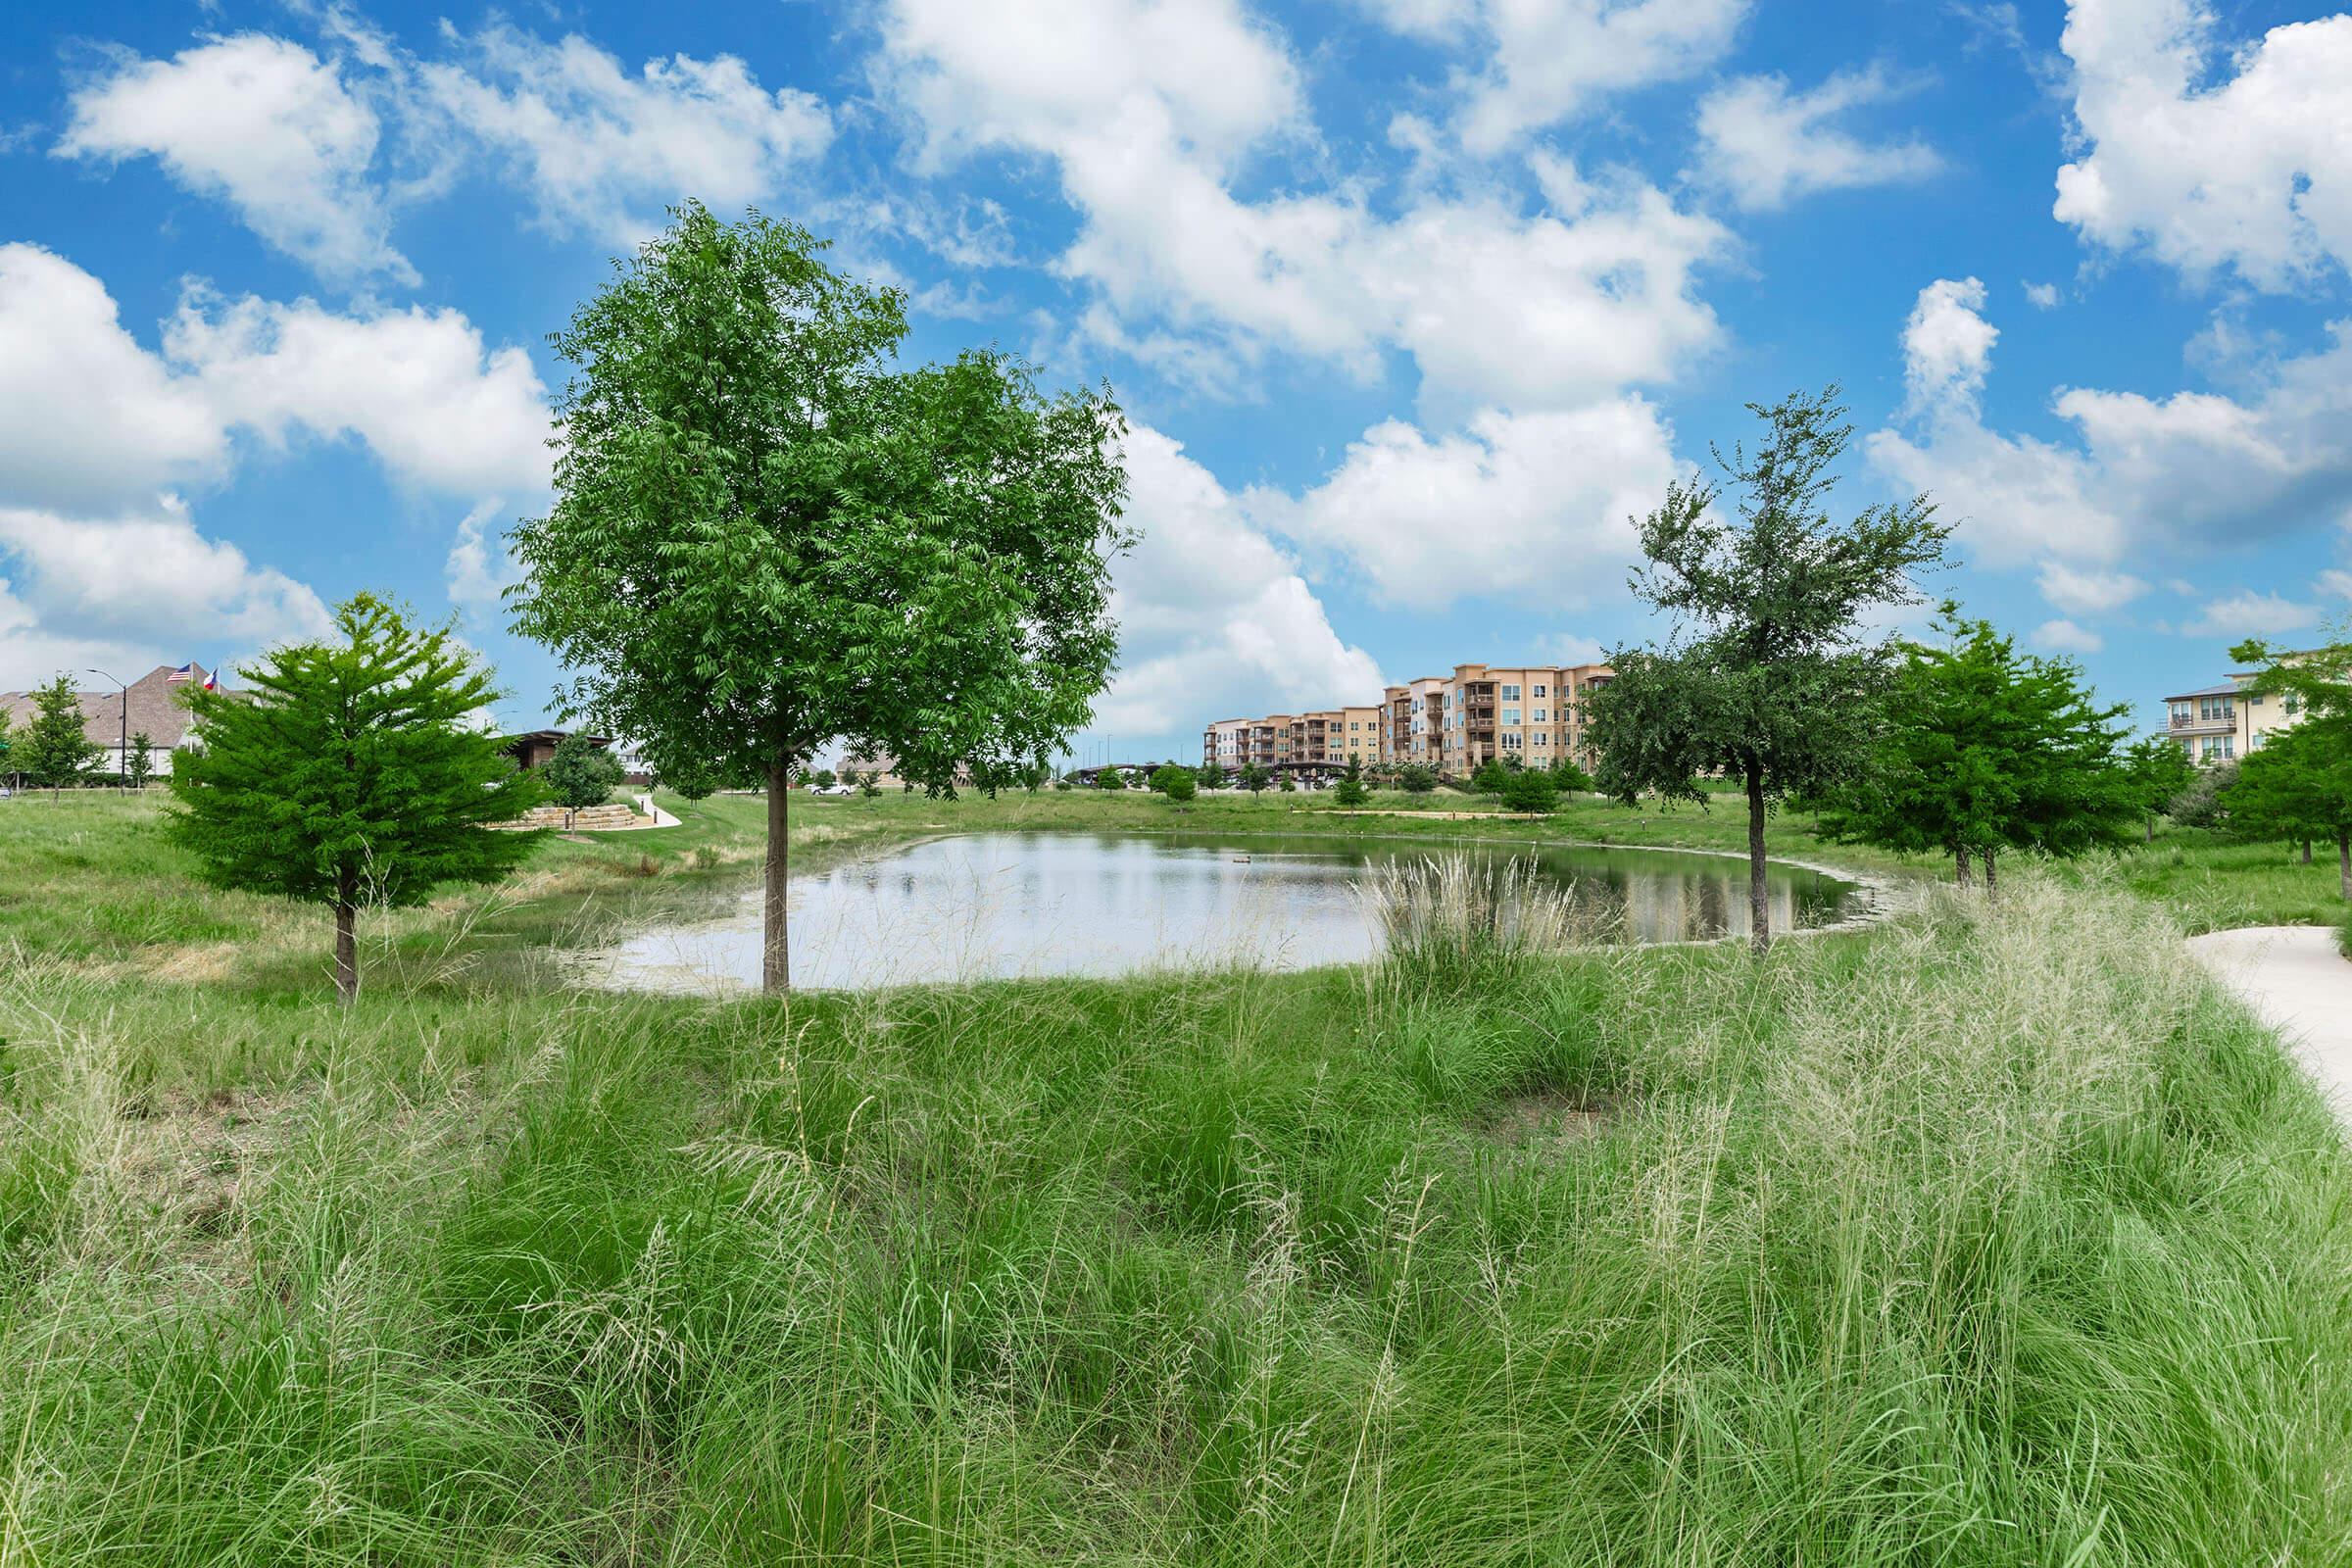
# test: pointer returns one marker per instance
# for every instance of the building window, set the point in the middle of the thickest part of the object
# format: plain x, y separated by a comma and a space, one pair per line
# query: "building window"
1510, 742
1540, 739
1510, 694
1538, 718
1539, 692
1510, 715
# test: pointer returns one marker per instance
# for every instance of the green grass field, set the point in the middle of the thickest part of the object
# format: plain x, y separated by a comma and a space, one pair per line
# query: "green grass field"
1985, 1237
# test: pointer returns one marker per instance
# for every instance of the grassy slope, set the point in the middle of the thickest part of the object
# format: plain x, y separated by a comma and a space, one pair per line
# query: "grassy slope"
1967, 1241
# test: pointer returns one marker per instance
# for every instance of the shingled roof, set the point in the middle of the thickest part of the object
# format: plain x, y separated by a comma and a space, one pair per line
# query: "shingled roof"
153, 709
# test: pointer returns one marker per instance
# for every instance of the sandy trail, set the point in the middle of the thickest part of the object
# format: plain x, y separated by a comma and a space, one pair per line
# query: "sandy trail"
2301, 985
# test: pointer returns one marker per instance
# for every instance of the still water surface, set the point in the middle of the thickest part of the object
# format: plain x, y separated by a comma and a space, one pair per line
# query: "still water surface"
991, 906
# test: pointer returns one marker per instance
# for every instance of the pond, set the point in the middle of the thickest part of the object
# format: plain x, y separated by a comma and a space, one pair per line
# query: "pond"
993, 905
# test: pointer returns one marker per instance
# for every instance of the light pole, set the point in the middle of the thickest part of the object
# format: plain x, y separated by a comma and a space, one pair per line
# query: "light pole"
121, 757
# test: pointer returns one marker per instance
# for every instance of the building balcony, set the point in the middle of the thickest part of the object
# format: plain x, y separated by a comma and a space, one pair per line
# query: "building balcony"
2205, 726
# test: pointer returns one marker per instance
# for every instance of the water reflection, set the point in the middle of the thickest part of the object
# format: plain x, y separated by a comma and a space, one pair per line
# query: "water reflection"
996, 904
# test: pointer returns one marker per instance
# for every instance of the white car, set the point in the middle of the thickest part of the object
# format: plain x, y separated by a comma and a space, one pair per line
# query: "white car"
833, 789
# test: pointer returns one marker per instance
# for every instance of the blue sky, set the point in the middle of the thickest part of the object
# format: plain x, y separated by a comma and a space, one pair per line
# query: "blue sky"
1410, 301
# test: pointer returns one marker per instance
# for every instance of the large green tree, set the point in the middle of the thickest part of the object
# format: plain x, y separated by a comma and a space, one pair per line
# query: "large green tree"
53, 750
351, 773
1984, 749
1770, 678
767, 536
2302, 774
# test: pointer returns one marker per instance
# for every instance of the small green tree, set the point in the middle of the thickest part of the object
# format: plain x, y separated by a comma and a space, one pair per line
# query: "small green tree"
140, 767
1770, 678
53, 750
1110, 778
1351, 792
1211, 775
822, 778
2316, 771
1287, 783
2156, 770
1256, 779
1492, 777
1176, 783
350, 774
581, 773
1985, 749
1532, 789
1416, 778
869, 782
768, 535
1568, 777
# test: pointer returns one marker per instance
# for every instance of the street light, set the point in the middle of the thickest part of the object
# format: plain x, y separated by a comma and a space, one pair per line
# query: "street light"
122, 755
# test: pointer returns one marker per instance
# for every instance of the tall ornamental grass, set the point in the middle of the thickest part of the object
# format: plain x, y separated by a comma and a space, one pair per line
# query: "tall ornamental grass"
1991, 1238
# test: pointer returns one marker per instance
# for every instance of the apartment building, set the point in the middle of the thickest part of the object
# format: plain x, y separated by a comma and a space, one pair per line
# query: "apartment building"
1457, 723
2225, 722
1320, 740
1452, 723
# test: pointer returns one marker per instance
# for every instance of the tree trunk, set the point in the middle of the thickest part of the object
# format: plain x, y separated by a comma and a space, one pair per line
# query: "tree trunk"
1759, 906
775, 956
1960, 863
1991, 886
2343, 863
2151, 828
2307, 852
347, 940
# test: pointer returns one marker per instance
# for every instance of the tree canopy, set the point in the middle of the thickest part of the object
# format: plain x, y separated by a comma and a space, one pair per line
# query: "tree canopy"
1983, 748
1771, 677
2300, 781
53, 750
352, 772
581, 774
766, 536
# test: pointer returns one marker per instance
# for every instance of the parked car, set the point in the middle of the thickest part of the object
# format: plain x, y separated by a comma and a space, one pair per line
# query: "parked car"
833, 789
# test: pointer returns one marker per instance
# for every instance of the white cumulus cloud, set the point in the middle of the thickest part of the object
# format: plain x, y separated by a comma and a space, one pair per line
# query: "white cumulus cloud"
603, 149
1215, 619
1534, 508
2248, 614
91, 421
263, 124
1764, 145
2253, 173
137, 589
1146, 111
2190, 468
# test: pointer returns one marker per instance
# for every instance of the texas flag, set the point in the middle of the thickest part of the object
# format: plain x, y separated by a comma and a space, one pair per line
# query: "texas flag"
212, 682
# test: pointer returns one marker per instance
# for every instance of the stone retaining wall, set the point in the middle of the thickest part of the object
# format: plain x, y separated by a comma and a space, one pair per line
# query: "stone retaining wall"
604, 819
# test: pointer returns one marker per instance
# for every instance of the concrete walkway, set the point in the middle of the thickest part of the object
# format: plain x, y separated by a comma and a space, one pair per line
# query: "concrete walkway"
661, 819
2295, 978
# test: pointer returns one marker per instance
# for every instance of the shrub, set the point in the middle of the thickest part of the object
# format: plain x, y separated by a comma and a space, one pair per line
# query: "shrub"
1416, 778
2201, 805
1176, 783
1110, 778
1531, 790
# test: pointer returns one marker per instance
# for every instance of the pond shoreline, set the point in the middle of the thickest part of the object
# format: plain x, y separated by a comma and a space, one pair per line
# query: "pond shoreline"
937, 920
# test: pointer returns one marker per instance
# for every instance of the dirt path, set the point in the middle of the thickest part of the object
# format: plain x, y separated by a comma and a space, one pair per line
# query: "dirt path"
2301, 985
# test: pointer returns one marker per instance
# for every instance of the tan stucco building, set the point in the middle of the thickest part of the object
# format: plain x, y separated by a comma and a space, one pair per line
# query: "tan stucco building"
2225, 722
1452, 723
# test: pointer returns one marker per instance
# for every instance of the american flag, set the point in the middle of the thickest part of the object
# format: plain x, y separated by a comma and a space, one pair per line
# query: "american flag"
182, 675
